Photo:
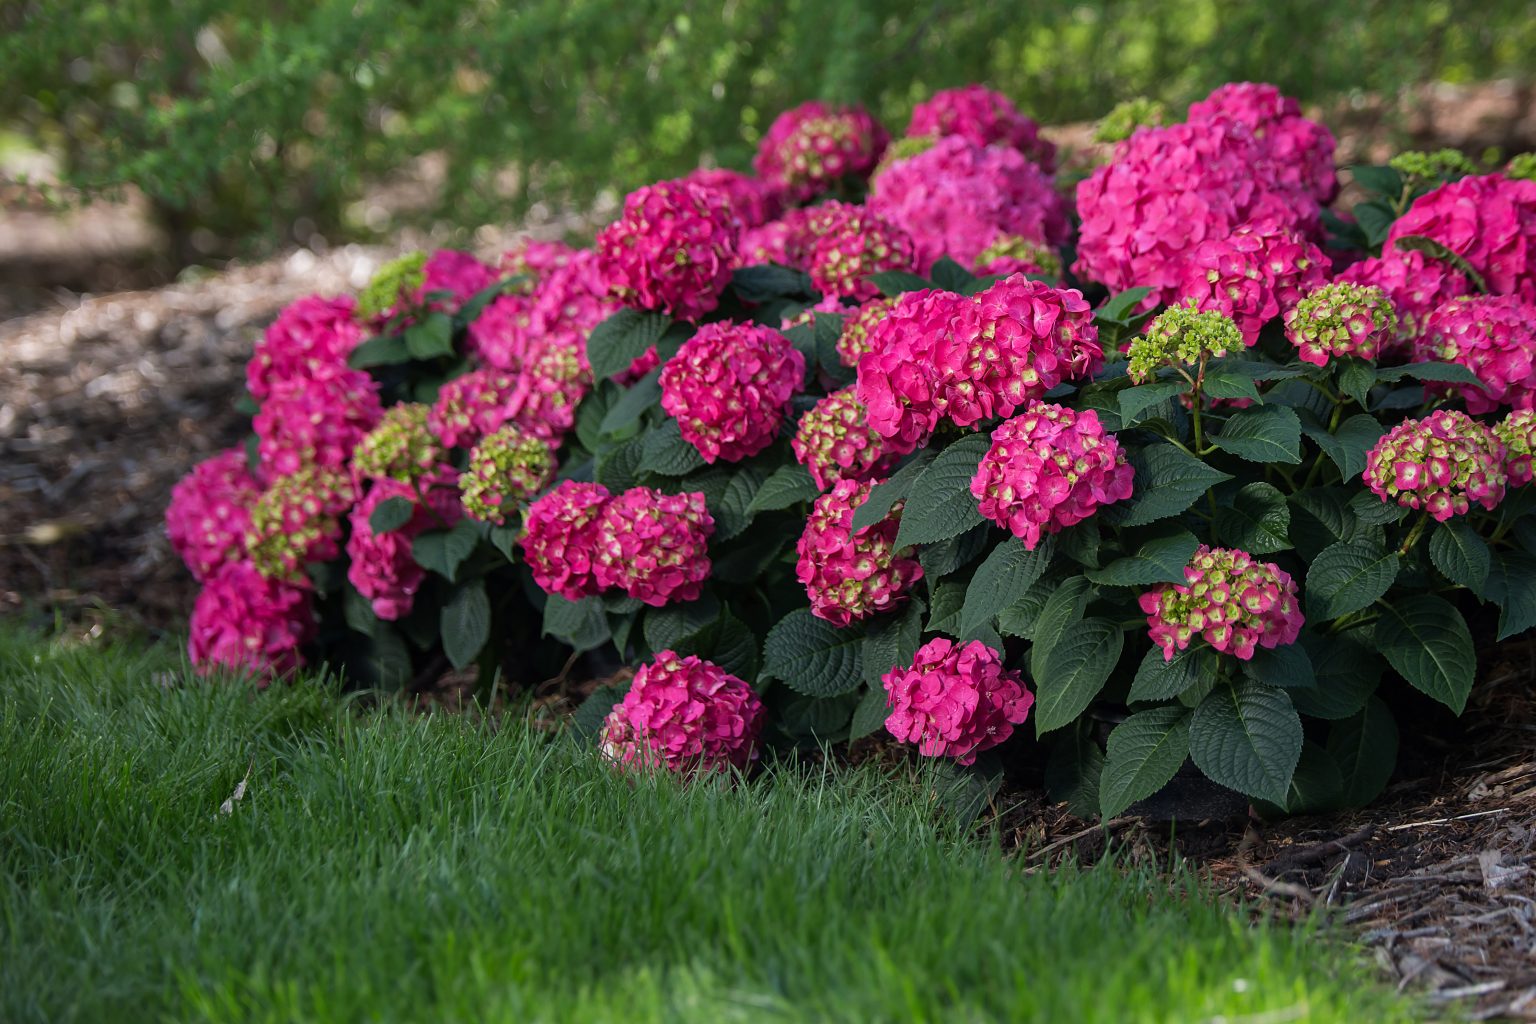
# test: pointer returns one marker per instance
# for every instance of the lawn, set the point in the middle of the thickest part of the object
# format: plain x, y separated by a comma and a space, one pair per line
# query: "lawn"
388, 866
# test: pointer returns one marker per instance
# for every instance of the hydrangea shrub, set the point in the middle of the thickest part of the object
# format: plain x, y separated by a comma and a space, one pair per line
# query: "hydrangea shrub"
1216, 477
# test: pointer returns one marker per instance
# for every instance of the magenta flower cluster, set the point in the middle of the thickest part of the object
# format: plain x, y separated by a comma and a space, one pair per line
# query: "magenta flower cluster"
1253, 276
955, 700
1230, 600
243, 621
672, 249
850, 575
310, 340
210, 513
859, 243
729, 388
506, 467
810, 148
1442, 464
382, 567
1298, 152
1339, 320
684, 715
834, 441
1494, 336
983, 117
1517, 433
1488, 220
559, 540
316, 423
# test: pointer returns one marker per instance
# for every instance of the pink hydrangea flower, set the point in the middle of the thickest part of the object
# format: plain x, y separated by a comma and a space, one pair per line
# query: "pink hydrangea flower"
316, 423
862, 242
654, 546
536, 257
1299, 151
1253, 276
1517, 433
1494, 336
383, 568
983, 117
309, 340
401, 447
473, 405
1049, 468
1415, 285
955, 700
1441, 463
210, 512
295, 521
459, 273
506, 467
570, 297
754, 201
1489, 220
1237, 604
898, 382
685, 715
552, 385
811, 147
834, 441
852, 575
559, 539
1340, 320
672, 250
1014, 342
853, 342
246, 622
957, 198
729, 388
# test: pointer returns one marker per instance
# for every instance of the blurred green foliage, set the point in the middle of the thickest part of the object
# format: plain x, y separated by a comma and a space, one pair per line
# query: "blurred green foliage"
264, 119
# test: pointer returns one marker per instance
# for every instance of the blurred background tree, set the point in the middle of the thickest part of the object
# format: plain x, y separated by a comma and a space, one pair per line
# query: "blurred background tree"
251, 124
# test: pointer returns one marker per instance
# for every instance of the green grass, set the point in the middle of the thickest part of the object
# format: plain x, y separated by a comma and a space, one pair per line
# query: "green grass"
389, 867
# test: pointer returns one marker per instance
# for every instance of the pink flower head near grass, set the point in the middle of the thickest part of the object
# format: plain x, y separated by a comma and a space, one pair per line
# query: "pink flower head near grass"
955, 700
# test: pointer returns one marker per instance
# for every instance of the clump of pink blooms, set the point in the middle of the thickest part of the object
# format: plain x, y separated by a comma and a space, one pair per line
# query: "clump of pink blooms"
473, 405
1339, 320
672, 249
1298, 151
897, 380
834, 441
853, 342
310, 340
1414, 284
1049, 468
458, 273
383, 568
552, 385
316, 423
729, 388
810, 148
536, 258
850, 575
983, 117
860, 243
1441, 463
955, 700
506, 467
1011, 254
1489, 220
1234, 602
653, 546
958, 198
568, 300
559, 539
1517, 433
1253, 276
210, 512
296, 521
1494, 336
686, 715
754, 201
244, 621
402, 447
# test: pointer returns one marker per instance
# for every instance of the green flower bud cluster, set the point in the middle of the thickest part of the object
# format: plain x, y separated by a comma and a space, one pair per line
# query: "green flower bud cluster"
1182, 335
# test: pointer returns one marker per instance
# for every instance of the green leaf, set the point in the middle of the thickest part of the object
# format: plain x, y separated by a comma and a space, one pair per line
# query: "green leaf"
948, 600
1073, 771
732, 506
622, 338
1161, 560
869, 717
1346, 673
431, 338
1316, 785
642, 395
1460, 554
674, 624
813, 657
1167, 482
1247, 736
466, 623
1231, 385
1157, 679
951, 276
587, 722
1426, 640
1019, 618
665, 452
1256, 519
828, 328
766, 281
1348, 576
1271, 433
1378, 178
1136, 400
617, 466
726, 641
892, 640
1288, 666
391, 514
1443, 373
443, 551
389, 658
1437, 251
947, 556
884, 496
1348, 447
1061, 611
1121, 306
941, 505
357, 610
1356, 378
385, 350
1365, 749
581, 624
788, 485
895, 282
1080, 542
1075, 670
961, 791
1370, 510
1511, 585
1144, 752
504, 539
1006, 575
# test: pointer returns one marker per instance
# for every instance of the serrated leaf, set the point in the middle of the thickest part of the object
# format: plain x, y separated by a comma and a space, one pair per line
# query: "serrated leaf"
1073, 771
788, 485
1161, 560
947, 602
581, 624
896, 282
617, 466
1460, 554
1370, 510
587, 722
884, 496
1136, 400
813, 657
667, 627
443, 551
732, 507
1076, 669
1019, 618
1356, 378
1346, 673
1143, 754
947, 556
1437, 251
384, 350
951, 276
1348, 576
1167, 482
1247, 736
759, 283
828, 328
1426, 640
1378, 178
1364, 747
1080, 542
1004, 577
1316, 785
665, 452
1231, 385
622, 338
430, 338
357, 611
1159, 679
1442, 373
1122, 305
1348, 447
1061, 611
1256, 519
940, 505
465, 623
1511, 584
644, 394
504, 539
1288, 666
1270, 433
726, 641
892, 640
391, 514
869, 717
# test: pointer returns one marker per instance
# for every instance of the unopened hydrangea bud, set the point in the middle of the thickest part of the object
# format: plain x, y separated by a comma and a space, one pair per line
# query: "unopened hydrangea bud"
1522, 167
1441, 165
399, 278
854, 340
850, 575
245, 621
685, 715
559, 539
296, 521
955, 700
654, 546
1441, 463
400, 448
1517, 432
1235, 603
506, 467
1013, 254
1181, 336
835, 441
1339, 320
1126, 116
729, 388
1494, 336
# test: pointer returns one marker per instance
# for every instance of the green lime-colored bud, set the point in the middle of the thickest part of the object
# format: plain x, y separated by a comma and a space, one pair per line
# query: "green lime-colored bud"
402, 276
1522, 166
401, 447
295, 521
1013, 247
1181, 336
902, 149
1441, 165
506, 467
1124, 118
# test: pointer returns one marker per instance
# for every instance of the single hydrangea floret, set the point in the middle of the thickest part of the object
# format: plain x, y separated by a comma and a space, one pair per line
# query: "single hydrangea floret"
506, 467
1232, 601
1339, 320
729, 388
1182, 336
1441, 464
955, 700
685, 715
654, 546
850, 575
